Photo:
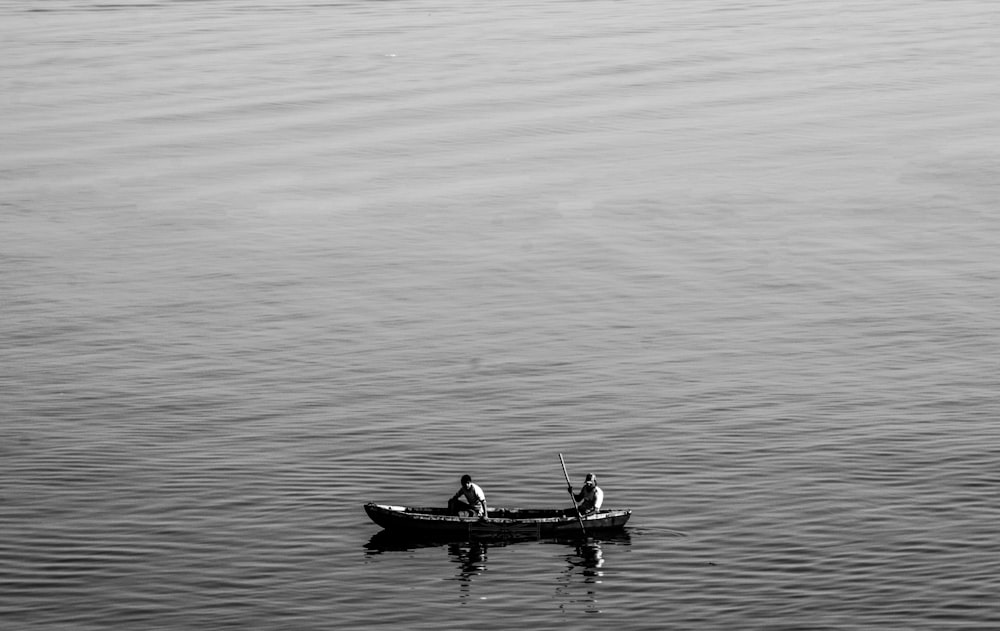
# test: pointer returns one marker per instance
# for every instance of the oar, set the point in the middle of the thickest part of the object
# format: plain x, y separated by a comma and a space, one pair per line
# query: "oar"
571, 497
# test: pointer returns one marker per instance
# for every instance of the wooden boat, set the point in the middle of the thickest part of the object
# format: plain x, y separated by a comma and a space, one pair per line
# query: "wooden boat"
502, 522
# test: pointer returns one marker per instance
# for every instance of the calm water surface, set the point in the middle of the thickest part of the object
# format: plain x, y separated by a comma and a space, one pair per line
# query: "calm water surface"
263, 262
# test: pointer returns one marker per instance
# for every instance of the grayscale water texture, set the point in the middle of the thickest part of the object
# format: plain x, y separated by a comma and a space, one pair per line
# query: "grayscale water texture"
262, 262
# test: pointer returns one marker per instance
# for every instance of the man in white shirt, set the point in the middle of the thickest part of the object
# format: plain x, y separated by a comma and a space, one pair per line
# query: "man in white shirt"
475, 500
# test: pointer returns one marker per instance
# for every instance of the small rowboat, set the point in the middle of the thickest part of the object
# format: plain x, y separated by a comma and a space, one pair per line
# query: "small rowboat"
502, 522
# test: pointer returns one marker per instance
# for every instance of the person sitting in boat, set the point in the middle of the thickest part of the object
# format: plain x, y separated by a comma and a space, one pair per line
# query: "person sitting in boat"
475, 500
590, 497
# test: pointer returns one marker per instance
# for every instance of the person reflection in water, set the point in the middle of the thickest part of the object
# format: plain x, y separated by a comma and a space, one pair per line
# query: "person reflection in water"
471, 563
593, 558
590, 497
475, 500
585, 564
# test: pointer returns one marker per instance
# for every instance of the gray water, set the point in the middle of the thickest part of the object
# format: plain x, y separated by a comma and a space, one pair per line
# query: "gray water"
262, 262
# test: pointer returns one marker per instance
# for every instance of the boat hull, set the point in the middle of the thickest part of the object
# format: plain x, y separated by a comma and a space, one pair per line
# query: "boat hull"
502, 523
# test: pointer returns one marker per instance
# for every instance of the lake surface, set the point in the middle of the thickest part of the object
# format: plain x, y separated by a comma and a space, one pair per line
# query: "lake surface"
263, 262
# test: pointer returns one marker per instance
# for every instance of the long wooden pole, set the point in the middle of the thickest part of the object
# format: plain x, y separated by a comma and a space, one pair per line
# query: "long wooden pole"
571, 496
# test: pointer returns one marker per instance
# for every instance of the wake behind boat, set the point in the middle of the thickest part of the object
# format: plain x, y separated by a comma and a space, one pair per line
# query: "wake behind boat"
501, 522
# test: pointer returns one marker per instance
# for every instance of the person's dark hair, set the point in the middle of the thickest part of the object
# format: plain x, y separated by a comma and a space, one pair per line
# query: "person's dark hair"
466, 478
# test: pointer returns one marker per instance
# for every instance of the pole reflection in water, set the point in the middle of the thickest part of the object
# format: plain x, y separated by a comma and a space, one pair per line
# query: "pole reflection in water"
585, 563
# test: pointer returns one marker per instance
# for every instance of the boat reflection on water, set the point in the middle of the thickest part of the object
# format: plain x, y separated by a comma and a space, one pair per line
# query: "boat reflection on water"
469, 556
584, 569
387, 541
